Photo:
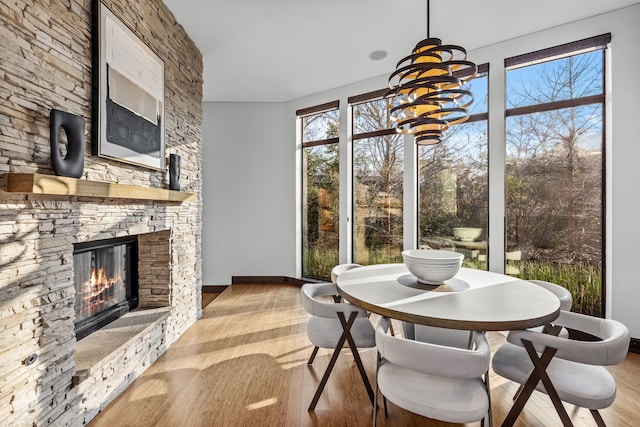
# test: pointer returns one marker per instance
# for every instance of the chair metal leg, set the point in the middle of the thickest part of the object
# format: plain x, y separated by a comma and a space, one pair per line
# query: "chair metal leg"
517, 393
346, 326
539, 373
596, 416
346, 336
540, 368
375, 409
547, 329
313, 355
324, 379
529, 387
332, 362
375, 405
489, 416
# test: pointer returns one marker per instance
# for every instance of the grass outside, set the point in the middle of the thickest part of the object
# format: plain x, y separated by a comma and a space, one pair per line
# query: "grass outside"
584, 281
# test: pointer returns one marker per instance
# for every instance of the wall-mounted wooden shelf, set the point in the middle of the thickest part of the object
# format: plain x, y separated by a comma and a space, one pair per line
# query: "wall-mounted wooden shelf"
34, 183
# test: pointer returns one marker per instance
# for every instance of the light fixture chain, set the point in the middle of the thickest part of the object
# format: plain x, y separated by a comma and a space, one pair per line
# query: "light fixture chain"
428, 16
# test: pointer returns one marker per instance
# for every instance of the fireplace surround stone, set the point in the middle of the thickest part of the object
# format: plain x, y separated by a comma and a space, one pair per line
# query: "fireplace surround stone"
37, 232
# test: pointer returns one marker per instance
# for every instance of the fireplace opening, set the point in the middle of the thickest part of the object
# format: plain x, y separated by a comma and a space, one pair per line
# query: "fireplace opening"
106, 282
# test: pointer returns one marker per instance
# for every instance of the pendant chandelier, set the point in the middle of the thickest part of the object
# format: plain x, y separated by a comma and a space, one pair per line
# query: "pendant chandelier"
426, 94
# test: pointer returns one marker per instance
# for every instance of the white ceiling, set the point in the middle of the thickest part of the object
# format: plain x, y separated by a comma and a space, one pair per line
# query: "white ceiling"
280, 50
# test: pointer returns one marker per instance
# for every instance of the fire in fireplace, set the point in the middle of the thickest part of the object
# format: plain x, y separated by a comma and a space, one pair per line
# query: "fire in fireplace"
106, 282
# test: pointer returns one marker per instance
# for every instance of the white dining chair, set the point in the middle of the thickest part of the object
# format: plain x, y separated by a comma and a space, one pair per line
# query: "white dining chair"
435, 381
336, 271
332, 325
565, 369
566, 300
341, 268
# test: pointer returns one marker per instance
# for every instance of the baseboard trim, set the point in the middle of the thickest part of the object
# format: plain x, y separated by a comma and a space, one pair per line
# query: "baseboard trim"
213, 289
634, 345
266, 280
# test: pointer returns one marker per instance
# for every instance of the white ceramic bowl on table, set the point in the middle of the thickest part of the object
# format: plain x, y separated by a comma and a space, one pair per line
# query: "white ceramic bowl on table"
432, 266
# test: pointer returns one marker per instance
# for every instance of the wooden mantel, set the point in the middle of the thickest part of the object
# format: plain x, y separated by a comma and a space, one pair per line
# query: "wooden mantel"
34, 183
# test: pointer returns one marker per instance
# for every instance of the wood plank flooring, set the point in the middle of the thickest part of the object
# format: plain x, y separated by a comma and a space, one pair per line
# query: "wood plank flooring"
207, 297
244, 364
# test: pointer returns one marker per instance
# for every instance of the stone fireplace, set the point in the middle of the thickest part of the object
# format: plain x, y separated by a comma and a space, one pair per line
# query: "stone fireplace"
105, 277
142, 267
47, 375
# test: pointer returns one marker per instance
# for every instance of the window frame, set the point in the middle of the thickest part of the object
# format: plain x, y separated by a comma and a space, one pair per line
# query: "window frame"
596, 43
376, 95
300, 115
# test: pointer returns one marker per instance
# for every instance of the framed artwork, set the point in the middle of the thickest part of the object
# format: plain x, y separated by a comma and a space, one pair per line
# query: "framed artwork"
128, 94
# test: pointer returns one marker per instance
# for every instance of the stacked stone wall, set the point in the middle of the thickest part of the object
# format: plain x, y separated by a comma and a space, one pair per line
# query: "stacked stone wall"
46, 63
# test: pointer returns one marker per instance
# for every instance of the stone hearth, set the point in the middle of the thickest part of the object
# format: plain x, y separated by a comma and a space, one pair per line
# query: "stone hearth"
132, 339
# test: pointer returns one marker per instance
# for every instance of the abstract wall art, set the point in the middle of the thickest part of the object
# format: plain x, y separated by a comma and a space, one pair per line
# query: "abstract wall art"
128, 94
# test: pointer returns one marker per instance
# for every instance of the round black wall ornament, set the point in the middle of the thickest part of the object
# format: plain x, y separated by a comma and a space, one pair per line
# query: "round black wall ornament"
72, 164
174, 172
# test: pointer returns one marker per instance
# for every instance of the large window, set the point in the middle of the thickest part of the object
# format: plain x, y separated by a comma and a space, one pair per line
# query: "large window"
554, 169
320, 189
378, 158
553, 172
453, 184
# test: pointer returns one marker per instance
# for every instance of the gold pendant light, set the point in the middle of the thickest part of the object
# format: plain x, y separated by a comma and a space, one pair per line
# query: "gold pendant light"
426, 94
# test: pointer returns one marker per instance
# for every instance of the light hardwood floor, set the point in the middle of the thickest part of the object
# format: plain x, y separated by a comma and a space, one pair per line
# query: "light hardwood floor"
244, 364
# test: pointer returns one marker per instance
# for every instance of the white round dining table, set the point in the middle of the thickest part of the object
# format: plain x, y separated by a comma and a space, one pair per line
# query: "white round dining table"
475, 300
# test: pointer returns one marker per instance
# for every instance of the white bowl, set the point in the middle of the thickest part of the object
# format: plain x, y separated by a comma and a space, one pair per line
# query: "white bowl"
432, 266
467, 234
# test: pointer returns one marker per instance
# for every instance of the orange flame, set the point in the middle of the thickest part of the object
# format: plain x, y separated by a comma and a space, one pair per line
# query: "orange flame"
98, 283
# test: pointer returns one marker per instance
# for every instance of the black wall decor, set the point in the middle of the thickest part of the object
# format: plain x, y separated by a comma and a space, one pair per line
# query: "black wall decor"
72, 164
127, 129
174, 172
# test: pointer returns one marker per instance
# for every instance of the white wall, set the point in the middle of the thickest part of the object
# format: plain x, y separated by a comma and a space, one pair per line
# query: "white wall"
248, 182
249, 157
624, 171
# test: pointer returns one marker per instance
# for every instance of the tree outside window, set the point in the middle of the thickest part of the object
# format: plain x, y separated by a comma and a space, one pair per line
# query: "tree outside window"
320, 193
554, 181
453, 185
378, 154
